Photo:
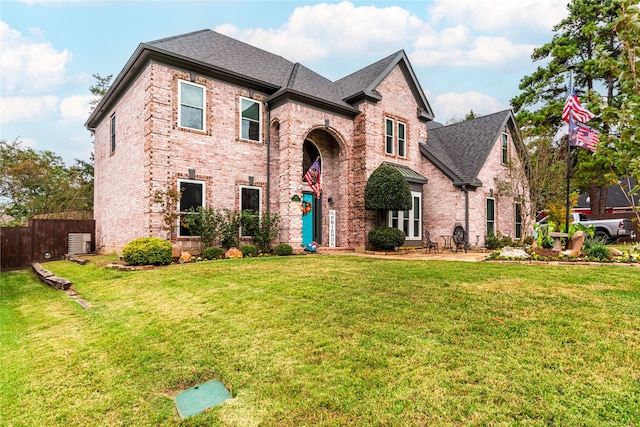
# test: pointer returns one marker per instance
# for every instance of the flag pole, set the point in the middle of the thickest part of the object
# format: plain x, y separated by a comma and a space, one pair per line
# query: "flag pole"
568, 204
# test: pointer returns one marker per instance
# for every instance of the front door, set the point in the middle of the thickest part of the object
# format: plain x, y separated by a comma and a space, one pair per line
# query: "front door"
308, 214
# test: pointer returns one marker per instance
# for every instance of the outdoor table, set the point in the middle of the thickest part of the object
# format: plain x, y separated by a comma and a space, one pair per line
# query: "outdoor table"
448, 240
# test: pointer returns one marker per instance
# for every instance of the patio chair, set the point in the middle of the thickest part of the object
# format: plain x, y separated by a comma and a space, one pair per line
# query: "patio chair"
430, 244
459, 237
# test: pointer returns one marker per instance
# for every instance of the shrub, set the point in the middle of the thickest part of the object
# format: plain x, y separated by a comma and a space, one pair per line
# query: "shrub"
266, 231
283, 249
596, 248
249, 250
386, 238
213, 253
147, 251
492, 241
387, 189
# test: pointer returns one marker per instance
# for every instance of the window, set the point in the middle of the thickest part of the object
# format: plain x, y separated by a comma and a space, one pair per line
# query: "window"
389, 136
409, 221
250, 198
192, 198
518, 212
191, 113
401, 140
113, 134
491, 217
250, 123
505, 148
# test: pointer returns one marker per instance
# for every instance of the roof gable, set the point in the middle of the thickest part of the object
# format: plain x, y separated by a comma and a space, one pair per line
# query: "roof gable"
363, 83
461, 149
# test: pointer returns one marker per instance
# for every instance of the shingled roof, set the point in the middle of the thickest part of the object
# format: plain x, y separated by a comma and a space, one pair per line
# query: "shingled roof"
214, 54
461, 149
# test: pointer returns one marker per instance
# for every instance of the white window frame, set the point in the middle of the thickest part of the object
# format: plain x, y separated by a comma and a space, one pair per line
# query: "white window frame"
493, 220
397, 219
251, 187
242, 119
204, 202
203, 107
518, 224
402, 142
504, 141
389, 140
113, 133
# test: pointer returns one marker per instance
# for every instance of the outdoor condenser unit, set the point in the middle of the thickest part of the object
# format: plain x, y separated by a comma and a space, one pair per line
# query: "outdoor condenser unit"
79, 243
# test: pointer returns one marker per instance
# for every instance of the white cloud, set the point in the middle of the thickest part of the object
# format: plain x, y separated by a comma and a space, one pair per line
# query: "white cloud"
26, 108
496, 15
316, 31
75, 107
457, 105
28, 67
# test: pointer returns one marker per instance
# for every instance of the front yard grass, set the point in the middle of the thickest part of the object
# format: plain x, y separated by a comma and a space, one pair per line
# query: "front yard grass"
325, 341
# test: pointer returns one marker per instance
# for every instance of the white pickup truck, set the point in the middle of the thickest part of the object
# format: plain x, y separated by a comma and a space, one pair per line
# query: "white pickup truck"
611, 229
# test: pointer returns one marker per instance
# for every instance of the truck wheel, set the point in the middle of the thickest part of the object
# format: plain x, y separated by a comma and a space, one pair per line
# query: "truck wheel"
602, 235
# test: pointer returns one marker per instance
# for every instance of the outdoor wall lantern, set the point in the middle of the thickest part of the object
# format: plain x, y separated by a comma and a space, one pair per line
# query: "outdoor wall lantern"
491, 192
326, 123
330, 200
250, 180
192, 173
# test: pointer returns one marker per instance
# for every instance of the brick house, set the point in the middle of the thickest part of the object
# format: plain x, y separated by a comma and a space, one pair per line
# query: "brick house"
236, 127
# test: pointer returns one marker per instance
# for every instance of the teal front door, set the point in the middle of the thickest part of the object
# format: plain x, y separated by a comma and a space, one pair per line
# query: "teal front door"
307, 219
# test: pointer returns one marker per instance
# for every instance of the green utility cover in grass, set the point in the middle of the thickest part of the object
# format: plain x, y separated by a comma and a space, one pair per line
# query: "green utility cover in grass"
196, 399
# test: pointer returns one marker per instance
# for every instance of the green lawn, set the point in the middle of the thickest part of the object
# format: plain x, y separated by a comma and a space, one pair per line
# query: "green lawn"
325, 341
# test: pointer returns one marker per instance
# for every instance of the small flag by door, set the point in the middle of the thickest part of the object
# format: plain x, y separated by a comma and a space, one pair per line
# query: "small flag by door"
581, 135
313, 178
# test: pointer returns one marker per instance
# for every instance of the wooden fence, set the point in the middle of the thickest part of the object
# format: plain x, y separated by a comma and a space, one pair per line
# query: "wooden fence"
42, 240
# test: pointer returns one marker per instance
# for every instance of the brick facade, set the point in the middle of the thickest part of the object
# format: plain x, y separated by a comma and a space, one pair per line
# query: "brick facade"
153, 153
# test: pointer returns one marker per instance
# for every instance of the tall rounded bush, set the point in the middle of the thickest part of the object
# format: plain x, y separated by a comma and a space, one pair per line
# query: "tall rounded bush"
387, 189
386, 238
147, 251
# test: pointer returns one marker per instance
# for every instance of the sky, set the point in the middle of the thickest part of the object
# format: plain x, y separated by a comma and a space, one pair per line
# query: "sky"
467, 54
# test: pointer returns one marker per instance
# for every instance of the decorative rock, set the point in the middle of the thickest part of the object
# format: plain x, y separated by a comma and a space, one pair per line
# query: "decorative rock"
185, 257
570, 253
576, 241
175, 250
508, 251
615, 252
233, 253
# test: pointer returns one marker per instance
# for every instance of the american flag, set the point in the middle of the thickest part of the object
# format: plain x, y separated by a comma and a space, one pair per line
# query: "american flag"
573, 107
312, 176
581, 135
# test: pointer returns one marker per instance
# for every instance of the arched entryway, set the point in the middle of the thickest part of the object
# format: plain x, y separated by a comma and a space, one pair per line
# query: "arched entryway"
311, 203
320, 211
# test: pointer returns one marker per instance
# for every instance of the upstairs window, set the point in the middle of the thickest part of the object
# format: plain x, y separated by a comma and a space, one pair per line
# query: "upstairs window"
113, 134
402, 145
505, 148
389, 136
191, 113
250, 123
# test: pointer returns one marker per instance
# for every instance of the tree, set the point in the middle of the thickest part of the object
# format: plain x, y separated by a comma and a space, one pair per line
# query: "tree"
99, 89
34, 182
588, 26
387, 189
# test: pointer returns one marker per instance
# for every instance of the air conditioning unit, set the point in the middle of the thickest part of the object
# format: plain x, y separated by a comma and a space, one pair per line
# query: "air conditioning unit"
79, 243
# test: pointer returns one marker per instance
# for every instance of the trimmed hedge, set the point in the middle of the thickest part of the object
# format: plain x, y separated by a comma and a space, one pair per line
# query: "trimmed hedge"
147, 251
249, 251
213, 253
386, 238
283, 249
387, 189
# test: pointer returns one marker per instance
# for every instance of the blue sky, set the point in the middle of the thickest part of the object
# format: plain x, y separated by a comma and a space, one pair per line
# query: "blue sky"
467, 54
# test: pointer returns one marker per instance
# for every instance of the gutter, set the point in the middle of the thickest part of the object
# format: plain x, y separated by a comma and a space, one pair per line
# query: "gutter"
266, 104
466, 214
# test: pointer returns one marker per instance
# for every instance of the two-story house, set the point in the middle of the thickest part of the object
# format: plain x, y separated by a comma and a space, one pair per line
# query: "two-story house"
236, 127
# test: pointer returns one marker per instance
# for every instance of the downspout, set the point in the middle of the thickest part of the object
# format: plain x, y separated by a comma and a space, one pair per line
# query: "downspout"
266, 104
466, 215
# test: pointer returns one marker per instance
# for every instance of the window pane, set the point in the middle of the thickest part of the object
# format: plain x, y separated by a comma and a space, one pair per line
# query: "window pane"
191, 196
250, 130
191, 95
191, 117
490, 210
389, 136
250, 110
250, 199
401, 142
